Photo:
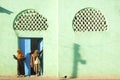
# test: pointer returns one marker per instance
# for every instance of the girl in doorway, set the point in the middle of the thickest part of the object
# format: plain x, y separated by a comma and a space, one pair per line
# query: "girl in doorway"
20, 63
35, 62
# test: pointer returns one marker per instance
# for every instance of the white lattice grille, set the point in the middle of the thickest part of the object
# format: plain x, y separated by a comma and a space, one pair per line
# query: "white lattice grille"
30, 20
89, 19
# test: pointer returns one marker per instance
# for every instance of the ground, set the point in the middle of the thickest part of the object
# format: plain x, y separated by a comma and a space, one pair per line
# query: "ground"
27, 78
56, 78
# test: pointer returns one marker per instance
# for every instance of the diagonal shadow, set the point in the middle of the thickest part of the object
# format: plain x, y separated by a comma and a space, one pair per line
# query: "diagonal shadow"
3, 10
77, 59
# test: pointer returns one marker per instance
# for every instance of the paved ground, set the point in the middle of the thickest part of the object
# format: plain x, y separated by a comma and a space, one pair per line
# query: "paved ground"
56, 78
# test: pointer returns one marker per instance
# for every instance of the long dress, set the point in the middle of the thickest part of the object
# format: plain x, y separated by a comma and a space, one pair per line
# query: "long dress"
35, 63
20, 65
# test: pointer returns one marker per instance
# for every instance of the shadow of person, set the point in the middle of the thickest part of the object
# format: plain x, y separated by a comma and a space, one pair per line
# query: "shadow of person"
77, 59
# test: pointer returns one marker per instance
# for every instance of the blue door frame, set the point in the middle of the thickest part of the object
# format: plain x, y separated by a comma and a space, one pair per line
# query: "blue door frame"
25, 46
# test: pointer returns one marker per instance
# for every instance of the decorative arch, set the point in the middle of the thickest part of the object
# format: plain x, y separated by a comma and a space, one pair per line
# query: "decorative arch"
89, 19
30, 20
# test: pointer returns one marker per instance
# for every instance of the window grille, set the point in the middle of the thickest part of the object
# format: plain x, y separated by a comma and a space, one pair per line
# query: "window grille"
30, 20
89, 19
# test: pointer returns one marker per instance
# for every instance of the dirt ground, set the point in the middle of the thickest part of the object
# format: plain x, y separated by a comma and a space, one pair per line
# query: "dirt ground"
35, 78
28, 78
56, 78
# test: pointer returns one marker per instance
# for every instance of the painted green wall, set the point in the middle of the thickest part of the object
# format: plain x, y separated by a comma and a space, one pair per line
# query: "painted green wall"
89, 53
8, 37
65, 51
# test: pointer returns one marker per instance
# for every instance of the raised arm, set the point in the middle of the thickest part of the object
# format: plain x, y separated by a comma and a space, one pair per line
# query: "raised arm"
15, 57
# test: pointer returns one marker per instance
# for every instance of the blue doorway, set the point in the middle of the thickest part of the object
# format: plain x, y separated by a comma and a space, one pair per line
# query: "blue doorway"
28, 45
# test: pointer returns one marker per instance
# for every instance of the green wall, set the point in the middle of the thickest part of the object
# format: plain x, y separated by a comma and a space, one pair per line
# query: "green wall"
9, 37
89, 53
65, 52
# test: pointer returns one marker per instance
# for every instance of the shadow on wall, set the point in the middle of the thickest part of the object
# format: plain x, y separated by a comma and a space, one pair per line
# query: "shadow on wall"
77, 59
3, 10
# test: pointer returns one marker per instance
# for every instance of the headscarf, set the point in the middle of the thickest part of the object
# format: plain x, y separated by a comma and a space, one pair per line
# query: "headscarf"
36, 53
20, 54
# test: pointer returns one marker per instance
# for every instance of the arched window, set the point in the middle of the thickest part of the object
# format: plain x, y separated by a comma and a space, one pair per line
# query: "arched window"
30, 20
89, 19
